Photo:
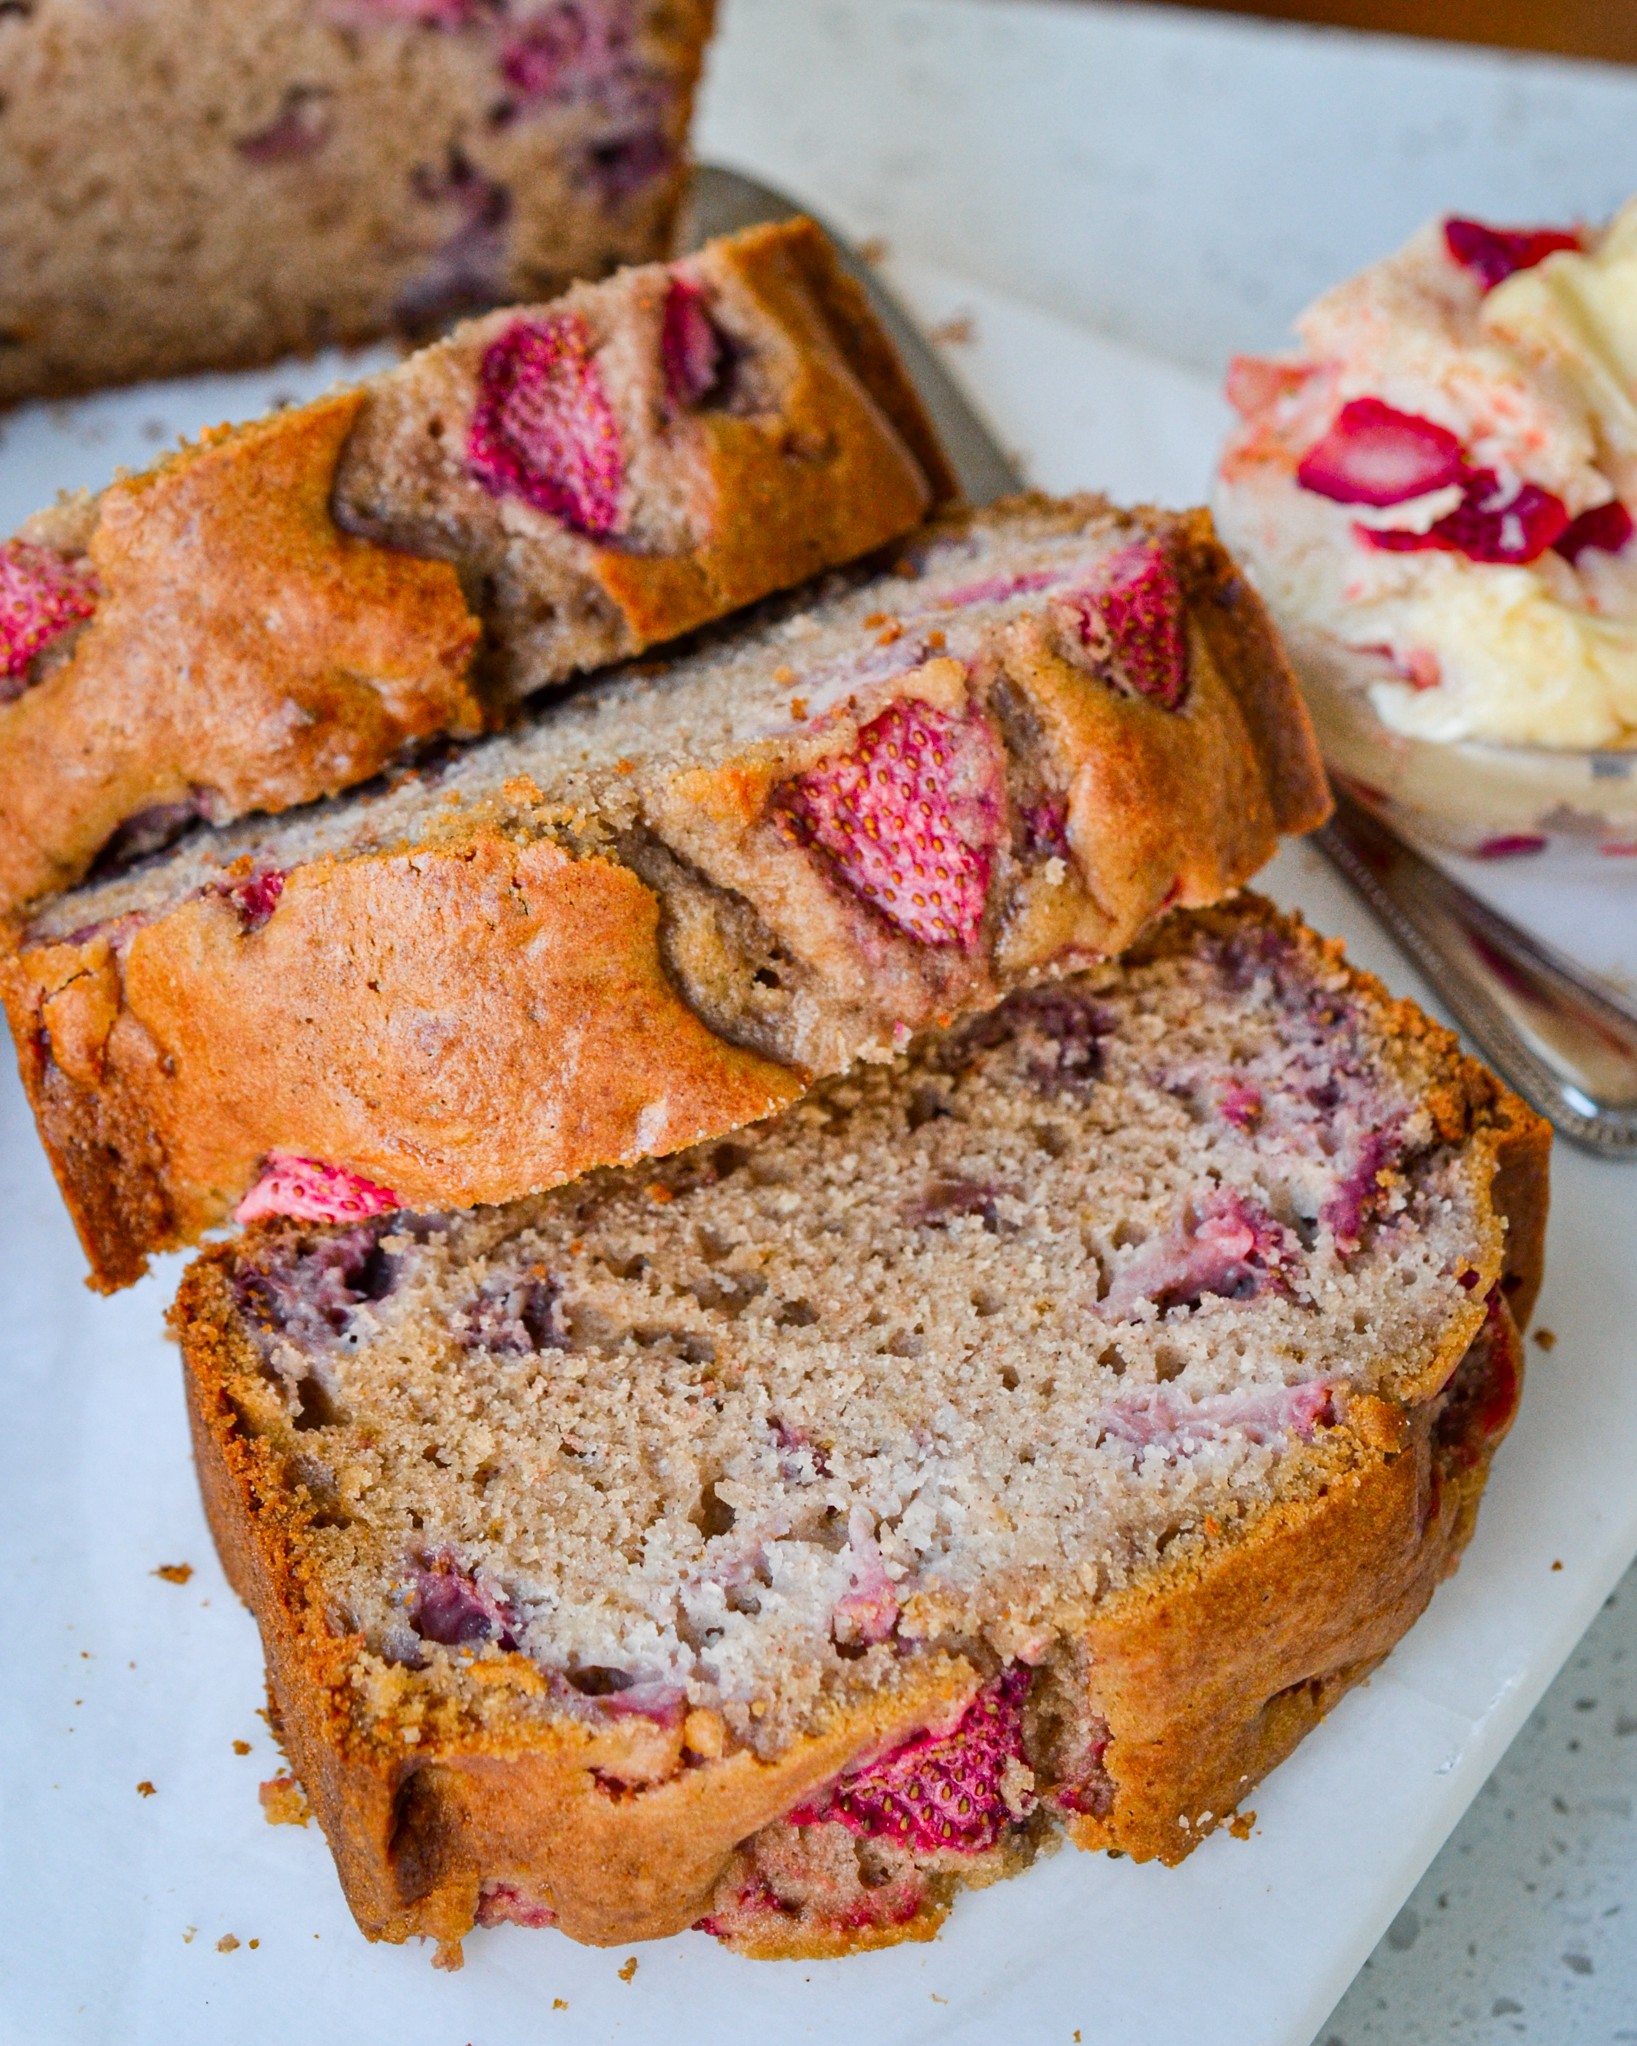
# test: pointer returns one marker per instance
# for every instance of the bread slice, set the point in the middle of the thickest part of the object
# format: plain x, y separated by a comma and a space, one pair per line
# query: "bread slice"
282, 610
658, 911
1035, 1435
187, 186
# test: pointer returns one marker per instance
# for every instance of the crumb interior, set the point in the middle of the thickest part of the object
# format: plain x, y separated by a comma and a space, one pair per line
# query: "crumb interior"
943, 1354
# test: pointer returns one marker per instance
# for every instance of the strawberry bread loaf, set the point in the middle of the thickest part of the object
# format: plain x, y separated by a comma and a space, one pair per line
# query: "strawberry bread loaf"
285, 608
192, 184
1032, 1436
659, 910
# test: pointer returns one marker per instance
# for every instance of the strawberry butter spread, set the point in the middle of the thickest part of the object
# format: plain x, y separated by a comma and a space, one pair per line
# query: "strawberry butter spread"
1442, 482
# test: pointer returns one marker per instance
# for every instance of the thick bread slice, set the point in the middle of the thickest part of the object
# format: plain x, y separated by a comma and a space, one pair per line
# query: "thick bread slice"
656, 912
283, 609
1035, 1435
208, 184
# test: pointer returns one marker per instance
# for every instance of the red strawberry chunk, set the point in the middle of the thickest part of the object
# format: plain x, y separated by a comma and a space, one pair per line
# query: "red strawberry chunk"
1129, 617
1178, 1426
1375, 455
543, 429
1495, 253
1492, 523
1607, 527
689, 345
255, 897
508, 1904
940, 1792
313, 1192
565, 50
910, 818
42, 594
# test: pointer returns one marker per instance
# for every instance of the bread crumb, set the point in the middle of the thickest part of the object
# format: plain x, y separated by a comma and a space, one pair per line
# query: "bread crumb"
1240, 1825
559, 2003
241, 1747
227, 1944
189, 1934
624, 766
255, 1943
875, 250
936, 1998
959, 332
784, 674
628, 1972
179, 1573
144, 1788
450, 1956
1557, 1566
521, 789
1546, 1338
890, 633
936, 641
284, 1802
798, 709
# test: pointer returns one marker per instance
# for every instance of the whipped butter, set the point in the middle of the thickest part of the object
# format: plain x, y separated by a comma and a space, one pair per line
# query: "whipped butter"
1500, 602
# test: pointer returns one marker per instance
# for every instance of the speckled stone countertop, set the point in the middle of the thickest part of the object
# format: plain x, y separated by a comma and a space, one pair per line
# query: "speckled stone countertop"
1196, 223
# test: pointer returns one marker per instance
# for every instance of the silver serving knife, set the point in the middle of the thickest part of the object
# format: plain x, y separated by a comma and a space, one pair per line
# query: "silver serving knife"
1558, 1034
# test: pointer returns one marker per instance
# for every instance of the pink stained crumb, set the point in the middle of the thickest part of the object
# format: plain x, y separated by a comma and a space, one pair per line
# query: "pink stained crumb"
1606, 527
910, 818
690, 347
511, 1904
1493, 254
1177, 1426
1225, 1246
949, 1792
1239, 1105
1129, 618
565, 50
310, 1191
543, 429
868, 1610
1373, 454
1358, 1190
42, 595
996, 589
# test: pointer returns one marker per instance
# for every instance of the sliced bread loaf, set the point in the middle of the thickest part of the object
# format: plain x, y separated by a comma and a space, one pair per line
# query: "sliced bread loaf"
659, 910
201, 184
1036, 1434
285, 608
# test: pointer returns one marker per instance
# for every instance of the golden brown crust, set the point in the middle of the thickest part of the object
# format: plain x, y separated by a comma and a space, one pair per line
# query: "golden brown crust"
405, 1016
850, 462
243, 651
1207, 1674
247, 654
